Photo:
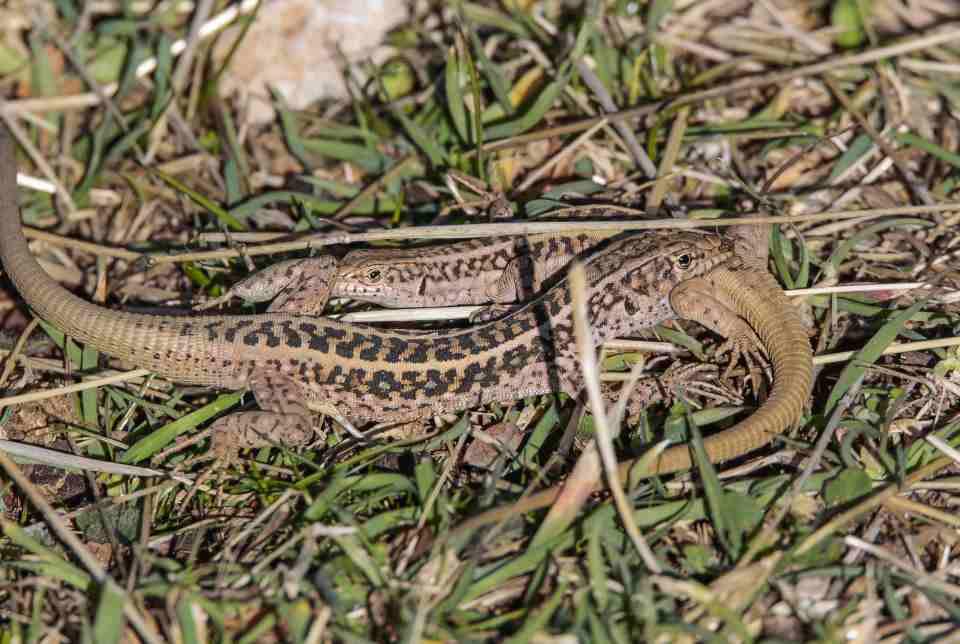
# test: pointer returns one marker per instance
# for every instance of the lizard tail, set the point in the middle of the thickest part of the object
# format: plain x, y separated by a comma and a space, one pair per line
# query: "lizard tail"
175, 348
758, 299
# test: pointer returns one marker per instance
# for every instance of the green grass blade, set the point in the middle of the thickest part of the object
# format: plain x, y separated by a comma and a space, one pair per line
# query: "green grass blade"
157, 440
869, 354
109, 623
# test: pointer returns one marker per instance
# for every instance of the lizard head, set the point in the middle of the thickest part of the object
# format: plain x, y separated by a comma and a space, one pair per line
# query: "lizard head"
390, 283
630, 284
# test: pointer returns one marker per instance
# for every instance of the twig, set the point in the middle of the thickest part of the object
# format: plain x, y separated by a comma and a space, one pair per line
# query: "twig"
466, 231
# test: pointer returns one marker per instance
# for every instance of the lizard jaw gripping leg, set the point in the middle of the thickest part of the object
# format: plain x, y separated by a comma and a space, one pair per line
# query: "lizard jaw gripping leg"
296, 286
699, 301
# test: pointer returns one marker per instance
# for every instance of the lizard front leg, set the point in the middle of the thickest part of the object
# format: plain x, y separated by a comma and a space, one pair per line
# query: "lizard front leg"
698, 300
510, 288
297, 286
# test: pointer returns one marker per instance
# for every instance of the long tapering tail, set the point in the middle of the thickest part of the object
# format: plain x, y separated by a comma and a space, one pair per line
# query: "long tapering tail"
184, 349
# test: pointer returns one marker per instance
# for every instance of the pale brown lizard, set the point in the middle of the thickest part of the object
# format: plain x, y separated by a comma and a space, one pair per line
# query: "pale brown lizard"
299, 365
498, 270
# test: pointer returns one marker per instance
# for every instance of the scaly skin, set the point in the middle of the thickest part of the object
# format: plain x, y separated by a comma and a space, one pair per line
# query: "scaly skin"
756, 296
296, 365
500, 270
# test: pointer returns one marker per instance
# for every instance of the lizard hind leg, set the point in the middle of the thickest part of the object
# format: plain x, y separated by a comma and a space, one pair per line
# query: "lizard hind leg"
284, 418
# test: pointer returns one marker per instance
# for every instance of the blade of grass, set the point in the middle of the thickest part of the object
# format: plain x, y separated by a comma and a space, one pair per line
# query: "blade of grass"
869, 354
222, 215
149, 445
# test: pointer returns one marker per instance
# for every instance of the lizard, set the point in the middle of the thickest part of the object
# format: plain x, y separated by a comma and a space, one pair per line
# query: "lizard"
499, 270
298, 365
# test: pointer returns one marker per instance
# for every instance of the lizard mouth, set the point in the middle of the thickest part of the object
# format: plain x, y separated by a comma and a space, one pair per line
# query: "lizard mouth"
376, 295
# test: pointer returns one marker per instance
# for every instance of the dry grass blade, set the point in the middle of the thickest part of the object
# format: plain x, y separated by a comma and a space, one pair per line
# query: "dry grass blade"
469, 231
605, 435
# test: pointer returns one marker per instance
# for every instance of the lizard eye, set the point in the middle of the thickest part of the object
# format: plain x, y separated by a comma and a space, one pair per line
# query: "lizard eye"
374, 275
683, 261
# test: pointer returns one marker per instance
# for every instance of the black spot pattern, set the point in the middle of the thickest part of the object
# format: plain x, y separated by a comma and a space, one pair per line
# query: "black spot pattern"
479, 365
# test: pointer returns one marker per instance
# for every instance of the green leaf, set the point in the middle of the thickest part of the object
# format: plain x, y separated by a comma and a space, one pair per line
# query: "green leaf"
780, 256
656, 12
161, 89
847, 19
424, 141
846, 246
539, 616
533, 115
196, 276
682, 339
107, 63
355, 550
426, 478
50, 564
743, 514
108, 625
850, 484
545, 427
931, 148
260, 631
366, 158
605, 62
187, 608
225, 218
295, 617
491, 72
11, 60
88, 398
157, 440
596, 567
390, 520
486, 17
854, 152
698, 558
720, 514
396, 79
44, 81
455, 104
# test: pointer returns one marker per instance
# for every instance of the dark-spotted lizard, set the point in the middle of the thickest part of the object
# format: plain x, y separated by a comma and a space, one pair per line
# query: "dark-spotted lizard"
298, 365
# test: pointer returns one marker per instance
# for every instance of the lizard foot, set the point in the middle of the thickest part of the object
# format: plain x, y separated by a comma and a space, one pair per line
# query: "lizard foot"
677, 381
699, 379
697, 299
257, 429
286, 419
746, 345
